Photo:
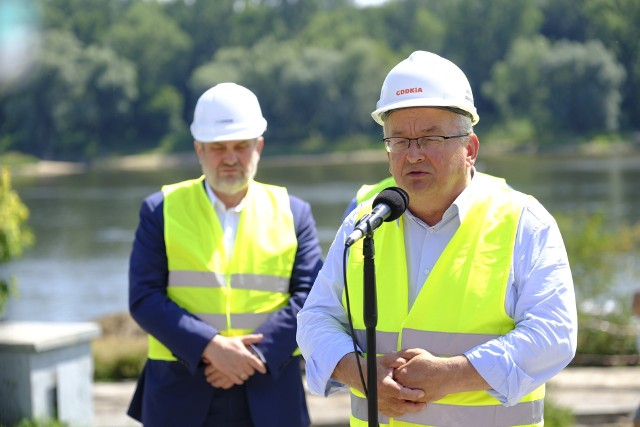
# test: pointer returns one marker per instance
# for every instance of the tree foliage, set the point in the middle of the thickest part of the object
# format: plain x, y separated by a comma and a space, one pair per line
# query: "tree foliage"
587, 78
123, 76
597, 255
615, 23
312, 90
72, 101
568, 87
15, 235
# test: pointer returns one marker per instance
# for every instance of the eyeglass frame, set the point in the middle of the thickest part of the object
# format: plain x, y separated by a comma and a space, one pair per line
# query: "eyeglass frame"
443, 138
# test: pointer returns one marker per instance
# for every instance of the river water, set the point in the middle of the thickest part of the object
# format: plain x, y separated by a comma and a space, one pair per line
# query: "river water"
84, 223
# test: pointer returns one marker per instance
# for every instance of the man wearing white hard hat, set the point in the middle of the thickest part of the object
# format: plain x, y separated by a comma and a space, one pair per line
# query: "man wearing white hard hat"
220, 266
476, 306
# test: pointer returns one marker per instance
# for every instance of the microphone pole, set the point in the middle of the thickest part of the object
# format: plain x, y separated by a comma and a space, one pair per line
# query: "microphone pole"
387, 206
370, 311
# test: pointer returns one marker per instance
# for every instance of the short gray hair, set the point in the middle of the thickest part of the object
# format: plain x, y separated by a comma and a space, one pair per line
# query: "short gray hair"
464, 121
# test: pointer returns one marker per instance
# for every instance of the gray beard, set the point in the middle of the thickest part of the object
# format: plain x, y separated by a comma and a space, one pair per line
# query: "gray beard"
235, 185
228, 186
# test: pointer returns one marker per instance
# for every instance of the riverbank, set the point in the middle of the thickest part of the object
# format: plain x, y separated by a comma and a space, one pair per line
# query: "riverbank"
150, 161
143, 162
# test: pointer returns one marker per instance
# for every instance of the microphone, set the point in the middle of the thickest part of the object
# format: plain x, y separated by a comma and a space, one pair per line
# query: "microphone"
389, 205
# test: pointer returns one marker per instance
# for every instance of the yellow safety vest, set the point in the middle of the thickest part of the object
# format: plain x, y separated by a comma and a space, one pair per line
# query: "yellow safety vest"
369, 190
234, 293
460, 306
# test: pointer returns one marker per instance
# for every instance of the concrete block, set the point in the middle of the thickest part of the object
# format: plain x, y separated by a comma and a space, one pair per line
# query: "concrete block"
46, 371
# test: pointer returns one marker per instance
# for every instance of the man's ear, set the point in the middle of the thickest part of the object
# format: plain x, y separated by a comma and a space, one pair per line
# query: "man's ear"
260, 144
473, 146
197, 146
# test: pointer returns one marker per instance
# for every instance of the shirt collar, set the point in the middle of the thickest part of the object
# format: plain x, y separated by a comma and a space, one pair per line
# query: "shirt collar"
217, 203
464, 200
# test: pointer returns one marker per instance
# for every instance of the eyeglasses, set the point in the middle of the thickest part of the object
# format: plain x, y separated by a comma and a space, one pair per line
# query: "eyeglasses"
398, 145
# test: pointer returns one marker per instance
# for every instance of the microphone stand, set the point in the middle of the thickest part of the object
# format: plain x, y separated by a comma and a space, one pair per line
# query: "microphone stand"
370, 314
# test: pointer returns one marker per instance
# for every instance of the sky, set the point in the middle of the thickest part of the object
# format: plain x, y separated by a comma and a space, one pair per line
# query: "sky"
369, 2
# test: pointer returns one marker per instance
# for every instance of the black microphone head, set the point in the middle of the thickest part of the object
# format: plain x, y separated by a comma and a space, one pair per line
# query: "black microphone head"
396, 198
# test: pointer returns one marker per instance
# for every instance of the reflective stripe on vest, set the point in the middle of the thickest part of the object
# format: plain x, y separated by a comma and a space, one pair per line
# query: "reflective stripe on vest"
436, 414
234, 293
237, 321
460, 306
440, 343
208, 279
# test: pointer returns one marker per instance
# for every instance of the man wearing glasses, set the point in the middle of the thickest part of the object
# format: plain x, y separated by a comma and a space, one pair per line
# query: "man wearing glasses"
476, 306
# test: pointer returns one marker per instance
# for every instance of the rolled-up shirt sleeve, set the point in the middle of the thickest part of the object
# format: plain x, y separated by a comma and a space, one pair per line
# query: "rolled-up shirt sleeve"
541, 300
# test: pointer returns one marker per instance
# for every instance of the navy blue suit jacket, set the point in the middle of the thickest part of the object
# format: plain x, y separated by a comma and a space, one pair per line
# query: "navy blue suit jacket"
176, 393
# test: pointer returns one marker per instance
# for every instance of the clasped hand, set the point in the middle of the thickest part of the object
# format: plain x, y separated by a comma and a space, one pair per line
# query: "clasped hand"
408, 380
230, 361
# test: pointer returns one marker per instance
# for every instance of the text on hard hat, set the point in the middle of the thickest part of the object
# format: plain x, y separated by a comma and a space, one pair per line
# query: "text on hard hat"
409, 90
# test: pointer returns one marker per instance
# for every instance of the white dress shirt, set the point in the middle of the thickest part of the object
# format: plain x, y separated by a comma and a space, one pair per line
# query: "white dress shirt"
540, 298
229, 219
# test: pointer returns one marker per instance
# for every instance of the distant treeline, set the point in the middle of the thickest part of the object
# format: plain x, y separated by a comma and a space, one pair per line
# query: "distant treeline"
113, 77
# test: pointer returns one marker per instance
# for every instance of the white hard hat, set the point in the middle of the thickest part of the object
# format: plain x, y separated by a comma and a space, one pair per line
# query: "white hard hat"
425, 79
227, 112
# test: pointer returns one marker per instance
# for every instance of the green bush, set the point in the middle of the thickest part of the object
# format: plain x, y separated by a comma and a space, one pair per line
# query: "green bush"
557, 416
15, 236
118, 358
596, 254
606, 340
15, 158
40, 423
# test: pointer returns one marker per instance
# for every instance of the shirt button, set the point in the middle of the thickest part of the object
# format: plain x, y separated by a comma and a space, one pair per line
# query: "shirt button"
427, 271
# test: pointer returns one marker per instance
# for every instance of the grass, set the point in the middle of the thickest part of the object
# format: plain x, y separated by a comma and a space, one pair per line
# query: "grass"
121, 351
14, 158
39, 423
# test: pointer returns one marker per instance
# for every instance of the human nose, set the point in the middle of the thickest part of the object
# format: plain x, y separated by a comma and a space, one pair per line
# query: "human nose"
229, 157
415, 152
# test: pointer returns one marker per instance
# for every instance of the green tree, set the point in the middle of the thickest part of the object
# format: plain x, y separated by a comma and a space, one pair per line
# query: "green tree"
516, 87
567, 87
584, 82
408, 25
334, 27
110, 92
227, 24
209, 25
154, 42
68, 107
481, 33
564, 19
280, 19
597, 253
170, 132
15, 235
615, 24
115, 76
87, 20
158, 47
309, 95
